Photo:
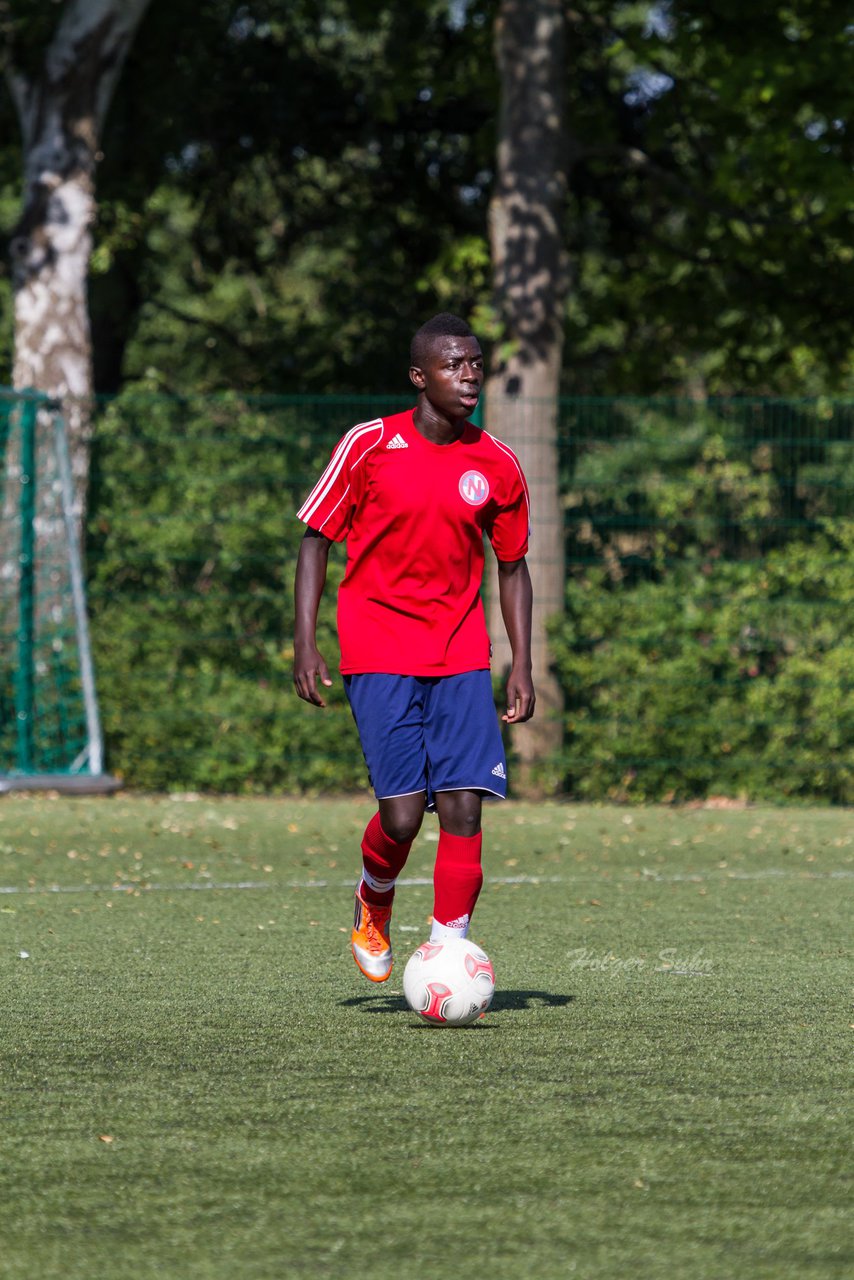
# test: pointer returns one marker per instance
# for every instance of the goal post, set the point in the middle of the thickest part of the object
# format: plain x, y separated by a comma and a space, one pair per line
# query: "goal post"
50, 729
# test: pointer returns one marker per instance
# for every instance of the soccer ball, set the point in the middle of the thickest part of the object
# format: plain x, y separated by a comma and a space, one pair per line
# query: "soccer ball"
450, 983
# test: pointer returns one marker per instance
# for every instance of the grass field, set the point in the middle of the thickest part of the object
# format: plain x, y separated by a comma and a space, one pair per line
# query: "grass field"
196, 1081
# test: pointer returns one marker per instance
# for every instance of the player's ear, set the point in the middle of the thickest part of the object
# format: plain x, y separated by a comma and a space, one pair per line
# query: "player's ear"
416, 377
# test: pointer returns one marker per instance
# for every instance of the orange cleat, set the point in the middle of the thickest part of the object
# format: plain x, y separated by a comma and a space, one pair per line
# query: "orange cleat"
370, 941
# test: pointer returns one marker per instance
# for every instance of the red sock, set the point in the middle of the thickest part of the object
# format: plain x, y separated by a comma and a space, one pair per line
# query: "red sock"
457, 879
383, 860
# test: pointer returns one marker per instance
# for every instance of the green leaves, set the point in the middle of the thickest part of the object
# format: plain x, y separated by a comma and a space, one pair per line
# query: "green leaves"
720, 678
287, 188
191, 554
706, 647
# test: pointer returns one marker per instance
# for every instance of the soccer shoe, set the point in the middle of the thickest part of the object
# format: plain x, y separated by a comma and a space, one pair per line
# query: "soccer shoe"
370, 941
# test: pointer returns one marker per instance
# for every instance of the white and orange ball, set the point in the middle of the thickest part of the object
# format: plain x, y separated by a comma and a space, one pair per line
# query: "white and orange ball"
449, 983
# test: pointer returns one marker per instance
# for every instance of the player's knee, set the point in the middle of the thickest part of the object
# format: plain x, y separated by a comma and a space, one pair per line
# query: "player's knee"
401, 823
460, 812
403, 830
465, 824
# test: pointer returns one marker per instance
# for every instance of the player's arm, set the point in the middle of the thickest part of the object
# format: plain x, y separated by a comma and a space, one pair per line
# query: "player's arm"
516, 598
308, 588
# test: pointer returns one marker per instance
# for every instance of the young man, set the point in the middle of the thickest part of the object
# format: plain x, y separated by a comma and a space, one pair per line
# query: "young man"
413, 495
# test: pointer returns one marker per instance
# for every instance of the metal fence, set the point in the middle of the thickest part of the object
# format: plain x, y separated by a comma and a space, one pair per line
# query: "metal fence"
49, 724
705, 645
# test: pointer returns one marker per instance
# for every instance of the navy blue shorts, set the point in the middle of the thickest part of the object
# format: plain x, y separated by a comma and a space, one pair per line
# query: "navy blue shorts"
429, 733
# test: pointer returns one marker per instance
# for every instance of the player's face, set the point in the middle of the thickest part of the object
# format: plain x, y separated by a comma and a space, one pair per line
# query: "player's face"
451, 376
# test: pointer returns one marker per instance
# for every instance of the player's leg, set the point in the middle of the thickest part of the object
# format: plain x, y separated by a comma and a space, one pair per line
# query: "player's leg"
388, 716
386, 843
465, 762
458, 874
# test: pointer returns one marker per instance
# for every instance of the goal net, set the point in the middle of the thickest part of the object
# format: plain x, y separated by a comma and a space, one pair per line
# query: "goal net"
50, 734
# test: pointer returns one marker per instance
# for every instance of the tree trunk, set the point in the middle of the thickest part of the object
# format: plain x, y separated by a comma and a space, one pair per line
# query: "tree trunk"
61, 114
530, 289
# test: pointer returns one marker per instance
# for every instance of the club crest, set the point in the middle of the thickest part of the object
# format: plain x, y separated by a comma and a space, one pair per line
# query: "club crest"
474, 488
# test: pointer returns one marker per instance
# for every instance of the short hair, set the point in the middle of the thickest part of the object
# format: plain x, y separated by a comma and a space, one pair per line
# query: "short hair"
444, 325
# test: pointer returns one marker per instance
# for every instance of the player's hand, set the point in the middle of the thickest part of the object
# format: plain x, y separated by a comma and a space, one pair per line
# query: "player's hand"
521, 698
308, 666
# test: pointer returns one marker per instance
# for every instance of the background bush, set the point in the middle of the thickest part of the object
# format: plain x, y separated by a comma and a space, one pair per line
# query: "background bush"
192, 549
705, 647
735, 678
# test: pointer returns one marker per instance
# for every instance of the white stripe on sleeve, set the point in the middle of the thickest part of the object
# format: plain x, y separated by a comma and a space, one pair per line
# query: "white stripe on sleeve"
339, 457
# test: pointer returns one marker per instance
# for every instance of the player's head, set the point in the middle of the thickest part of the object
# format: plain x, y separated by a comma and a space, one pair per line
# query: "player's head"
444, 325
447, 365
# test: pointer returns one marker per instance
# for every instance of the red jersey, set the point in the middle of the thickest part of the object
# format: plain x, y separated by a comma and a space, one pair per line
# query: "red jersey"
414, 515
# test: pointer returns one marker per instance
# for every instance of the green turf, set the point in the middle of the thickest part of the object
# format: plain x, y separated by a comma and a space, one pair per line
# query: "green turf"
196, 1082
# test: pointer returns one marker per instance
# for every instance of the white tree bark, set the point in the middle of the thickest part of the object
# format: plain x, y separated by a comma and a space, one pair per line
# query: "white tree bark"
61, 114
530, 289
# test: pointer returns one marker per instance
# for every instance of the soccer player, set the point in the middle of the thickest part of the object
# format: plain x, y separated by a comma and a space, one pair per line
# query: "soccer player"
414, 494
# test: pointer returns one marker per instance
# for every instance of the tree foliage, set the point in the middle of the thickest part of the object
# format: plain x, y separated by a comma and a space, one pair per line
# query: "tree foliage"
716, 679
286, 238
287, 188
191, 566
710, 213
706, 642
705, 646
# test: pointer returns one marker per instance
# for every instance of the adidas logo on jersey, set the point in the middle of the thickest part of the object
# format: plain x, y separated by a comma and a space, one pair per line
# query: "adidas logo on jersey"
397, 443
499, 771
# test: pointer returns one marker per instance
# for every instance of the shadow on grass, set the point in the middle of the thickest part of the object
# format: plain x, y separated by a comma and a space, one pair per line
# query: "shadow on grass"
384, 1002
525, 999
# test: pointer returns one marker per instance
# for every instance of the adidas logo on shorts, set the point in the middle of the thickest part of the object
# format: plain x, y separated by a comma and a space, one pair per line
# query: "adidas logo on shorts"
397, 442
499, 771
